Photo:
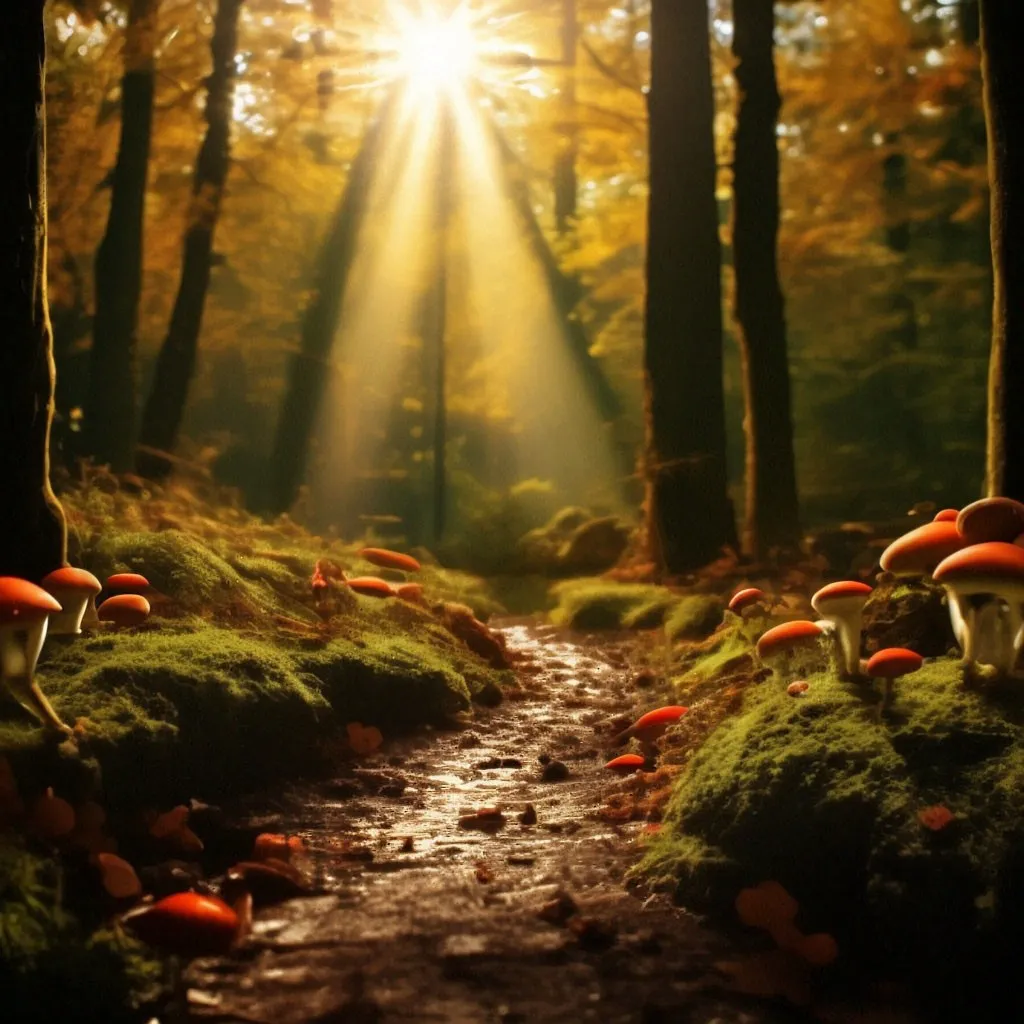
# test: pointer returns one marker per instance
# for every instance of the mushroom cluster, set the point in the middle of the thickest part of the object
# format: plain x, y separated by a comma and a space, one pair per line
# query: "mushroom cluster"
61, 605
976, 554
978, 558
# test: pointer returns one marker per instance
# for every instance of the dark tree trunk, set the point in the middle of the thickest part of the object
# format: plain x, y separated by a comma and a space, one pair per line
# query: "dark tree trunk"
565, 184
175, 366
1004, 96
564, 290
689, 514
307, 375
771, 513
32, 533
110, 406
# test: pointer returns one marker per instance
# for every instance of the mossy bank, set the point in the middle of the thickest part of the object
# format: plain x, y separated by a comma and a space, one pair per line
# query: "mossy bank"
827, 796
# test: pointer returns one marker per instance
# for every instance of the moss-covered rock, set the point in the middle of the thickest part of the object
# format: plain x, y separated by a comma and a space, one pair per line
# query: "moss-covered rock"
824, 795
694, 617
596, 603
914, 614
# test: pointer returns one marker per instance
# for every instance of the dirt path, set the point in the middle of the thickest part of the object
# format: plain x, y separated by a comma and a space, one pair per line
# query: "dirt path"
506, 922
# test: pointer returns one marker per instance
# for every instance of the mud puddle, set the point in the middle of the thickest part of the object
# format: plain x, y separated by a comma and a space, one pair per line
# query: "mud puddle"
428, 910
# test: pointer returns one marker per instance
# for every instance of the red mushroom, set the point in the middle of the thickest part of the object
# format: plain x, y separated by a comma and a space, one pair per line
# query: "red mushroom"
371, 586
842, 603
651, 726
946, 515
626, 764
124, 610
185, 924
745, 599
975, 577
128, 583
890, 664
25, 610
75, 590
922, 549
991, 519
389, 559
786, 637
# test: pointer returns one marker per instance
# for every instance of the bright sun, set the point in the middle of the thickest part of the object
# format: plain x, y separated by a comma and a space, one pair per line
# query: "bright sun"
435, 50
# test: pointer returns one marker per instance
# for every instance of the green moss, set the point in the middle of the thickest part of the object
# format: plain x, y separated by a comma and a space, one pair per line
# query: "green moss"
823, 795
694, 616
730, 645
51, 966
596, 603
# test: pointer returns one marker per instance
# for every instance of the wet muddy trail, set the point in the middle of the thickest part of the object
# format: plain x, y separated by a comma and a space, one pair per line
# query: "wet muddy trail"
427, 911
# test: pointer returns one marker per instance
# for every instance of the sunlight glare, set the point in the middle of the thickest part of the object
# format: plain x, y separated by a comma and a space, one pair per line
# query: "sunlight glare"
436, 51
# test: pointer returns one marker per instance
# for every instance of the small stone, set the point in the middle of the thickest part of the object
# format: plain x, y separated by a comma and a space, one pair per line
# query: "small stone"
488, 763
487, 819
555, 771
511, 762
469, 740
798, 688
529, 815
407, 845
544, 759
558, 910
644, 678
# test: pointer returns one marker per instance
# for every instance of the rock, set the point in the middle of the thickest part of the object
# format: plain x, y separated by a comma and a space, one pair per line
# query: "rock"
486, 819
554, 771
558, 910
595, 546
529, 815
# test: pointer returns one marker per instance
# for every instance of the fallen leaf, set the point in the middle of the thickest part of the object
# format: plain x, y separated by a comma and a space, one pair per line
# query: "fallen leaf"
118, 876
169, 823
364, 739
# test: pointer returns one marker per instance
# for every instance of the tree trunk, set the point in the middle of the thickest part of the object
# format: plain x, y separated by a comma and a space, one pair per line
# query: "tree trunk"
307, 376
1004, 96
565, 184
32, 532
110, 407
168, 397
689, 514
771, 513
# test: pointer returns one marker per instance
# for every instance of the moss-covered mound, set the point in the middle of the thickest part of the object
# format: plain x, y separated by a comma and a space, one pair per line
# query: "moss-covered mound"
826, 795
595, 603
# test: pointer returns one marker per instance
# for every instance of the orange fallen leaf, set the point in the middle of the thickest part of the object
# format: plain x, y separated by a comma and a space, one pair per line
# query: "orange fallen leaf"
936, 818
766, 905
819, 949
364, 739
170, 822
52, 816
118, 876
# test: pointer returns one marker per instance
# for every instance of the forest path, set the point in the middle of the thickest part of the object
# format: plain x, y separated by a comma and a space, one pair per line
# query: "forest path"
500, 923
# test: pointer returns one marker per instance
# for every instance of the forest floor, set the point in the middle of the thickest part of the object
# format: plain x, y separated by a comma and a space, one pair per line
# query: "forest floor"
426, 910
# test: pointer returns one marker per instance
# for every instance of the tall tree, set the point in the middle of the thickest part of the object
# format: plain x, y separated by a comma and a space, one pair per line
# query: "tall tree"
307, 375
689, 514
32, 531
175, 366
565, 183
771, 513
1004, 94
110, 404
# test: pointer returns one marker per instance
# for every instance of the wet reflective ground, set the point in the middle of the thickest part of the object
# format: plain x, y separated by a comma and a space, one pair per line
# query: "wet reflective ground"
432, 911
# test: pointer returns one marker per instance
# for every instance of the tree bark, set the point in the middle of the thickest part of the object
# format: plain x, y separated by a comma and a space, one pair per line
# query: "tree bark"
307, 376
32, 531
688, 511
175, 366
565, 179
109, 417
1004, 95
771, 518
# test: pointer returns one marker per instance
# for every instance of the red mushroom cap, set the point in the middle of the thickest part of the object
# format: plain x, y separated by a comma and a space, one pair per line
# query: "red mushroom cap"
841, 589
124, 610
390, 559
186, 924
744, 598
625, 763
991, 519
410, 592
946, 515
371, 586
995, 560
893, 662
922, 549
786, 636
71, 579
127, 583
659, 716
23, 603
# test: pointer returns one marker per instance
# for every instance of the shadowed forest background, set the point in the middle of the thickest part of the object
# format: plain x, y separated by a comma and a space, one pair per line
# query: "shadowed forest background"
883, 255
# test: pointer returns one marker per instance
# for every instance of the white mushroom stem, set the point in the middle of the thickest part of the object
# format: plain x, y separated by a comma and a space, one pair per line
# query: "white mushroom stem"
956, 616
847, 630
90, 619
19, 652
68, 621
987, 633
